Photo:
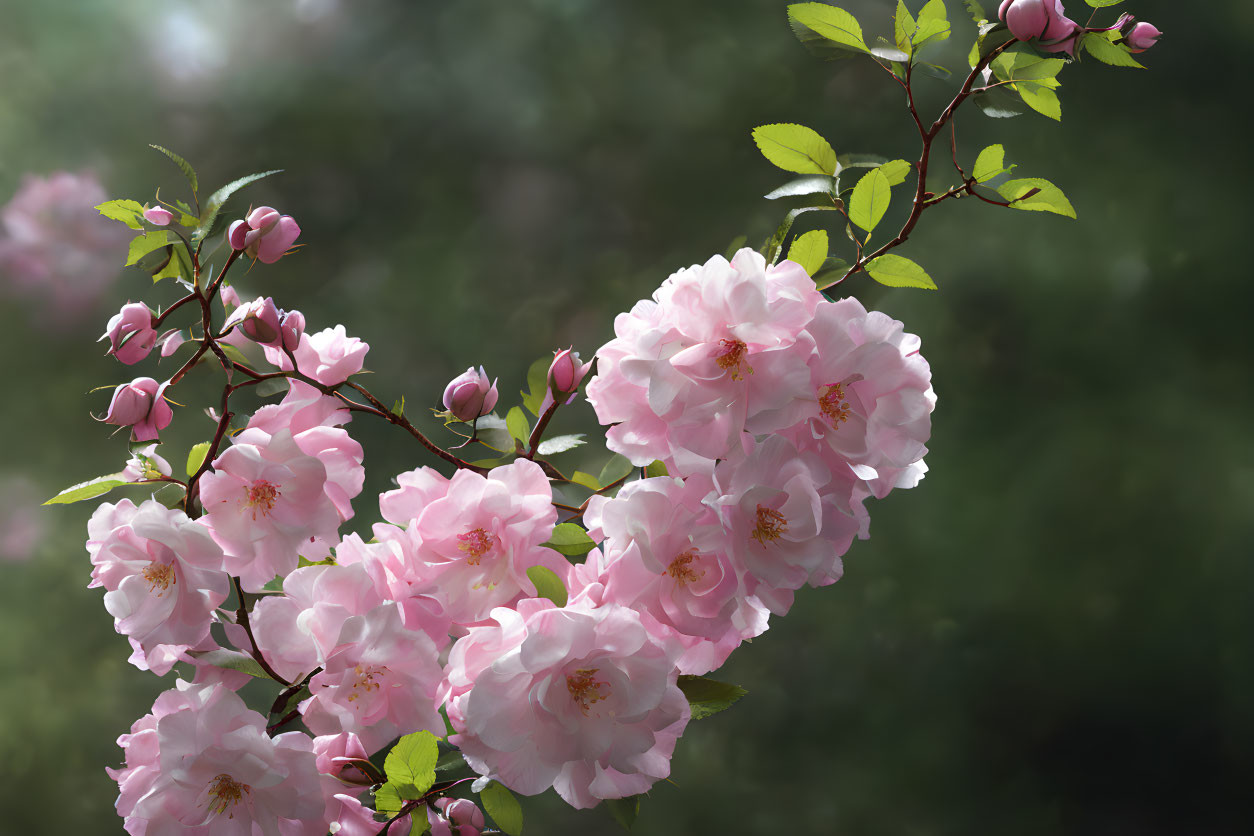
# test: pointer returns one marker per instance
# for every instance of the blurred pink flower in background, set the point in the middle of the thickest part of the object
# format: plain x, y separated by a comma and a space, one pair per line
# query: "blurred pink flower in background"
55, 248
21, 525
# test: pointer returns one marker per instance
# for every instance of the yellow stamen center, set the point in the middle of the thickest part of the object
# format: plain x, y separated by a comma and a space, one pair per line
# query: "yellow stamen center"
367, 680
261, 497
681, 568
771, 524
224, 792
159, 575
585, 690
476, 543
732, 358
832, 402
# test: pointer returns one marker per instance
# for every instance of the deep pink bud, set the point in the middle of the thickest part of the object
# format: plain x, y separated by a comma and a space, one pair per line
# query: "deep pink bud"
258, 320
130, 333
291, 327
263, 218
566, 372
464, 813
140, 404
158, 215
469, 395
1026, 19
1142, 37
236, 235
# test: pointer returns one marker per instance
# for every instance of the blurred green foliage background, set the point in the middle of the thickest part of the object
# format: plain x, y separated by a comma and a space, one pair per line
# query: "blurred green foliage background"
1052, 635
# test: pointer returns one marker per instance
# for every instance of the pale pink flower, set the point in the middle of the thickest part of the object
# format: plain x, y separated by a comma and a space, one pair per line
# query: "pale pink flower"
56, 248
265, 505
145, 464
163, 578
581, 700
202, 763
788, 518
380, 682
474, 538
868, 395
665, 554
297, 630
676, 378
349, 817
340, 756
329, 356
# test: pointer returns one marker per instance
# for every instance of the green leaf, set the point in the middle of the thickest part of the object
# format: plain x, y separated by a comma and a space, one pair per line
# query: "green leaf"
624, 810
976, 11
196, 457
708, 696
129, 212
933, 24
548, 584
398, 407
896, 171
537, 384
450, 757
570, 539
795, 148
170, 495
809, 250
560, 444
772, 247
1032, 194
1101, 4
655, 469
586, 479
836, 25
216, 200
812, 184
387, 800
89, 489
146, 243
998, 103
517, 424
903, 27
491, 430
1024, 66
616, 468
896, 271
833, 271
184, 166
500, 804
861, 160
411, 764
870, 200
231, 660
990, 163
1041, 99
1117, 55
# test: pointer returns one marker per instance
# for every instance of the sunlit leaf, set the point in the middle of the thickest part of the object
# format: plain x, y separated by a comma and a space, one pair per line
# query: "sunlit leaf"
500, 804
548, 584
1033, 194
836, 25
809, 250
897, 271
870, 200
795, 148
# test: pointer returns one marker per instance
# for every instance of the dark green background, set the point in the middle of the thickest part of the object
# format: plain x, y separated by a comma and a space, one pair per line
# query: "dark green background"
1052, 635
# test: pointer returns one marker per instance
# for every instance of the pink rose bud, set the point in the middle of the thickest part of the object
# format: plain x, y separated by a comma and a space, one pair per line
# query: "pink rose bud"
464, 813
264, 235
291, 327
1142, 37
158, 215
140, 405
130, 333
258, 320
566, 373
469, 395
1045, 21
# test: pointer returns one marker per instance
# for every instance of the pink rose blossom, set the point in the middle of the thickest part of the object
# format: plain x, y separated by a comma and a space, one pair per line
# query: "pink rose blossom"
581, 700
264, 235
340, 756
380, 682
145, 465
329, 356
202, 763
676, 377
163, 576
455, 817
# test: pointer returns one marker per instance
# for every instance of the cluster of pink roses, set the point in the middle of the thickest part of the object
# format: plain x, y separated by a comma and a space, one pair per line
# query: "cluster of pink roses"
775, 412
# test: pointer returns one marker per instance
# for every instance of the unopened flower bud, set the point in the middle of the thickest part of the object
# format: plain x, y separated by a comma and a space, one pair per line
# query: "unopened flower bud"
566, 373
1142, 37
158, 215
141, 406
456, 817
291, 327
258, 320
469, 395
1044, 21
130, 333
264, 235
